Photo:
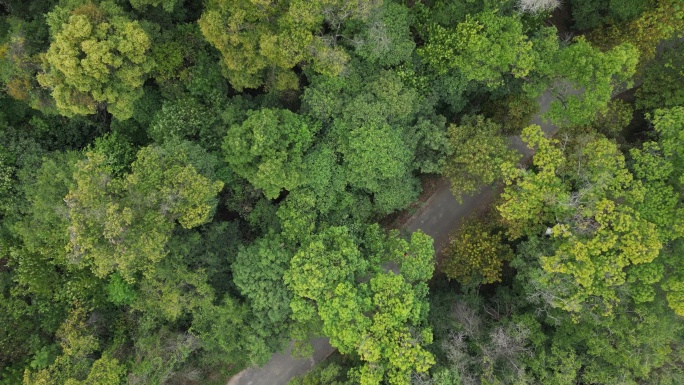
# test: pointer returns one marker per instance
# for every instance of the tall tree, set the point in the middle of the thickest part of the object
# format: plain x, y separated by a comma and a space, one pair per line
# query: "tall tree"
98, 59
586, 199
123, 224
584, 79
268, 149
479, 150
484, 47
383, 321
262, 41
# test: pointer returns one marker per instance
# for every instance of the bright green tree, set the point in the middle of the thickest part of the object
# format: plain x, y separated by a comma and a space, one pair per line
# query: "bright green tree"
485, 47
383, 321
268, 148
376, 153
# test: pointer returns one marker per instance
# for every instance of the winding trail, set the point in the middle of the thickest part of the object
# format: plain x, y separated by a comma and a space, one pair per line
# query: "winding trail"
283, 367
440, 214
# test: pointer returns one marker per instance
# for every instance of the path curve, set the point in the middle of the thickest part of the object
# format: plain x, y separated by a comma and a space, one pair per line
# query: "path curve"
440, 214
282, 367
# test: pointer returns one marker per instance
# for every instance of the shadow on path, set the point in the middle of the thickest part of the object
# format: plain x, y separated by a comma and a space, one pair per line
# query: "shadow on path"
442, 213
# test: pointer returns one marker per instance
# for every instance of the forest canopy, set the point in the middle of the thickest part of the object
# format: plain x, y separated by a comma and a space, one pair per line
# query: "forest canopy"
187, 187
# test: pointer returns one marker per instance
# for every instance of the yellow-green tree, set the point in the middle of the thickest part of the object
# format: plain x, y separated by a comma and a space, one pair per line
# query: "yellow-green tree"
98, 59
475, 255
582, 194
261, 41
479, 149
384, 321
123, 224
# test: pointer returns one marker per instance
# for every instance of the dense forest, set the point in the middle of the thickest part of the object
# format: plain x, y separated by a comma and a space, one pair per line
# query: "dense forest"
188, 186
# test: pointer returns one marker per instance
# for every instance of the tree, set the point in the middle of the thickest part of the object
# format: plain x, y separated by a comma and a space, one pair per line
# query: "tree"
185, 118
634, 346
258, 272
590, 14
530, 197
377, 128
262, 41
591, 73
20, 60
479, 149
78, 343
483, 48
662, 81
513, 112
167, 5
475, 255
662, 21
660, 166
330, 258
268, 148
586, 198
97, 59
384, 322
123, 224
538, 6
375, 153
387, 38
392, 346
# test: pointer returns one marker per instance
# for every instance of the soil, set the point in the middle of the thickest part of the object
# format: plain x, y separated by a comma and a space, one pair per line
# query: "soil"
429, 183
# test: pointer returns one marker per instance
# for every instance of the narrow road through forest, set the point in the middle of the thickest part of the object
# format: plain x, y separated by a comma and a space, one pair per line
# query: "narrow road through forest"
440, 214
438, 217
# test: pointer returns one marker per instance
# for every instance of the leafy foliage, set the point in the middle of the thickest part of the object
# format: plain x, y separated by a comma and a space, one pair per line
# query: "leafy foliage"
484, 48
661, 79
188, 187
475, 255
597, 73
660, 22
262, 41
123, 224
97, 58
479, 149
589, 14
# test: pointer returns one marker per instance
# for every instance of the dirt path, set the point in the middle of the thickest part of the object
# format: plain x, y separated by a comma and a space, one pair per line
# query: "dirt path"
282, 366
442, 212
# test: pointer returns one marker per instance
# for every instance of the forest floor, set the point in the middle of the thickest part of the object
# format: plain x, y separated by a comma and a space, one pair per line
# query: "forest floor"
438, 215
